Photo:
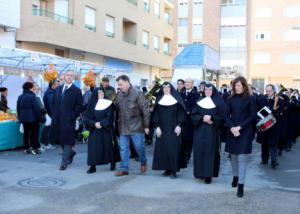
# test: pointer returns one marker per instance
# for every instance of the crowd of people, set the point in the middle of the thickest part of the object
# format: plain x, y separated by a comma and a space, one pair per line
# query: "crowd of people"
184, 121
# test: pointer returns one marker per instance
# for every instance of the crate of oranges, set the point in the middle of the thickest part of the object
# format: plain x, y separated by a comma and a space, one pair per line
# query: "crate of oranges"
7, 117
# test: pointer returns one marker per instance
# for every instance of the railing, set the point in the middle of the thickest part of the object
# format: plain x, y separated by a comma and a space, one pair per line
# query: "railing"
134, 2
145, 46
130, 41
56, 17
168, 19
109, 34
90, 28
156, 49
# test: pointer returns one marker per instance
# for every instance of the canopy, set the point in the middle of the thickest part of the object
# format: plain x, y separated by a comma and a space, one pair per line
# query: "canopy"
37, 61
193, 56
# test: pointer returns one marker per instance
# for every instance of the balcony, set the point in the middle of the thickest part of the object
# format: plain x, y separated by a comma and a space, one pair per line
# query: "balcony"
90, 28
62, 19
129, 31
134, 2
110, 34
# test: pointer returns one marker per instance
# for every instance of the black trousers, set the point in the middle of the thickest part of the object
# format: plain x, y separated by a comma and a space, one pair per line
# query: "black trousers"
45, 135
67, 154
31, 135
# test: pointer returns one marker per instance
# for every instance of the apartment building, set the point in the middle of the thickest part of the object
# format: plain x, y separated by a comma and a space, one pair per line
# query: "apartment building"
233, 38
134, 36
274, 53
9, 22
196, 22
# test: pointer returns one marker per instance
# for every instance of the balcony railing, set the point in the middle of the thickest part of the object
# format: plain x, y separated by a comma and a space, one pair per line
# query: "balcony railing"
109, 34
134, 2
90, 28
56, 17
133, 42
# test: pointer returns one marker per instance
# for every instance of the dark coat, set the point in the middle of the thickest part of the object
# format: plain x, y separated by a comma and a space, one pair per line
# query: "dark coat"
133, 113
240, 111
272, 135
48, 100
189, 102
66, 109
28, 109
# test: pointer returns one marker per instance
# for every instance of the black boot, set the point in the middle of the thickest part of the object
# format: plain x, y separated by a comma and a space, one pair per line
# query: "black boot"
235, 181
166, 173
112, 166
240, 192
173, 175
274, 164
280, 153
208, 180
91, 170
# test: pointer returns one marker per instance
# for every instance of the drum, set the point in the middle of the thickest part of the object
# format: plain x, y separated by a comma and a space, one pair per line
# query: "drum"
267, 119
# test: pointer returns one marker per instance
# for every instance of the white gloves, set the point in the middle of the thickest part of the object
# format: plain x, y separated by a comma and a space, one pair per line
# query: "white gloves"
177, 130
158, 132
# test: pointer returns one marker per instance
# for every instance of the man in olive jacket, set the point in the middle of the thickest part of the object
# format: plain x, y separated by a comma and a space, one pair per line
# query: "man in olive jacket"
133, 122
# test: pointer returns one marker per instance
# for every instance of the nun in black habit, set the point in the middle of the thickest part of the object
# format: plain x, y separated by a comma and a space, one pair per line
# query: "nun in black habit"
207, 118
168, 118
99, 118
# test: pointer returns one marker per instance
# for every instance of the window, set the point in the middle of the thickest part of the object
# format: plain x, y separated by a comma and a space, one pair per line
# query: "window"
292, 11
197, 29
59, 52
197, 8
157, 8
167, 46
145, 39
296, 83
263, 12
62, 8
156, 43
146, 6
233, 2
262, 58
183, 9
90, 18
263, 36
291, 58
292, 34
258, 83
110, 26
183, 22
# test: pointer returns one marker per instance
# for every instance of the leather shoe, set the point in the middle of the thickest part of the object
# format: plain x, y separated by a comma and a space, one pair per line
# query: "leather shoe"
121, 173
63, 167
143, 168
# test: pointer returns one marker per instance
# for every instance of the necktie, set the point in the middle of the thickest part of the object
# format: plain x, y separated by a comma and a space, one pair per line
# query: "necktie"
64, 91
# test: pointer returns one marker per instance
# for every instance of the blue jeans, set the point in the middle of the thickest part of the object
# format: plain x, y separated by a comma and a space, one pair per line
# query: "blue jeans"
139, 146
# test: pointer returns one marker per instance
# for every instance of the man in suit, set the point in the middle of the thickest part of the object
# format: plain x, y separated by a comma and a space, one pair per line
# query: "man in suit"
190, 96
68, 104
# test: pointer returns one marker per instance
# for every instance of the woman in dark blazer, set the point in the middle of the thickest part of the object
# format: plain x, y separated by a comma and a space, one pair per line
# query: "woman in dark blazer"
29, 114
239, 117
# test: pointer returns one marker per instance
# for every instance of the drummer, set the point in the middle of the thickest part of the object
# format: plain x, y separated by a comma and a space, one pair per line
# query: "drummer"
269, 139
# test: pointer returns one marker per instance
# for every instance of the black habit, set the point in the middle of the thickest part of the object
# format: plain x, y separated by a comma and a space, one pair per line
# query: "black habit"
101, 147
206, 140
167, 152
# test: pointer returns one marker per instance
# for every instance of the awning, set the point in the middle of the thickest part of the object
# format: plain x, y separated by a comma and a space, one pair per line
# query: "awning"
198, 56
19, 59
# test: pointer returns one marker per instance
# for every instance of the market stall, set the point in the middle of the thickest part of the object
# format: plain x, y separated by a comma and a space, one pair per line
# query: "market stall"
10, 136
18, 66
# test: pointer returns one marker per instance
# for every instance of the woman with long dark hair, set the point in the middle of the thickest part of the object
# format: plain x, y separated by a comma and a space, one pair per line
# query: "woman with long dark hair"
239, 116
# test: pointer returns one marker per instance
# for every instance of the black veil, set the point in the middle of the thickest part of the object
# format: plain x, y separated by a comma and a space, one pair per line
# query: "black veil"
173, 92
